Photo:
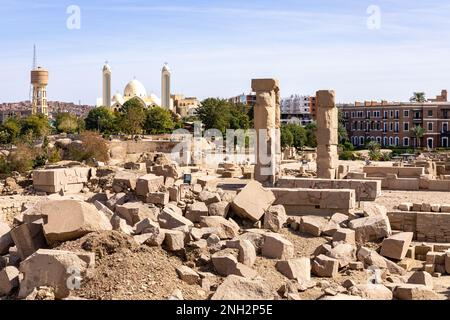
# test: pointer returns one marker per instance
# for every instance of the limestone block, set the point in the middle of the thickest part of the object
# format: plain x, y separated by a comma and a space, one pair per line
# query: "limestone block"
148, 183
396, 246
298, 269
133, 212
28, 238
195, 211
253, 201
158, 198
324, 266
226, 228
277, 247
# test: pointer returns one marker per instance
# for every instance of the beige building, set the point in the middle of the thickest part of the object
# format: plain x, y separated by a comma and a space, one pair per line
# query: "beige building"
184, 106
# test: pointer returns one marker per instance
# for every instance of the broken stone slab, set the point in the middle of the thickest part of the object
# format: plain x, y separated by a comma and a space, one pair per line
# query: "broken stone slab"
119, 224
336, 222
405, 206
274, 218
54, 268
344, 235
277, 247
247, 253
28, 238
344, 253
253, 201
226, 264
298, 269
414, 292
171, 217
136, 166
422, 278
219, 209
103, 209
188, 275
5, 238
67, 180
371, 209
371, 228
396, 246
256, 237
133, 212
239, 288
202, 233
372, 291
209, 197
196, 211
324, 266
174, 240
158, 198
124, 180
69, 220
373, 259
226, 228
174, 194
313, 225
210, 181
9, 279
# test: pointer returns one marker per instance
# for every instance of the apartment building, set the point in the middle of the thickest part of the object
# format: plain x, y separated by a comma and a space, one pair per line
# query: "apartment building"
296, 109
392, 123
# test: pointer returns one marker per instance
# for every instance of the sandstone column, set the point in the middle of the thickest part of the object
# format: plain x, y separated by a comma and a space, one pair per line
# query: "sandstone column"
327, 135
267, 113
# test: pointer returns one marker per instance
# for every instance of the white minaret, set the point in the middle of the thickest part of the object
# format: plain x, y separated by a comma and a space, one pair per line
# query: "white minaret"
107, 85
165, 87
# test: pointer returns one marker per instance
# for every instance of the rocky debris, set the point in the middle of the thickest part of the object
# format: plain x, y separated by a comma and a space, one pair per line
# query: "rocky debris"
226, 263
253, 201
158, 198
174, 240
247, 253
371, 209
238, 288
188, 275
275, 218
70, 219
171, 217
277, 247
343, 252
422, 278
313, 225
324, 266
133, 212
256, 237
336, 222
396, 246
124, 180
151, 232
121, 225
207, 181
226, 228
5, 238
60, 270
372, 292
28, 238
344, 235
103, 209
373, 259
196, 211
414, 292
219, 209
298, 269
9, 279
148, 183
371, 228
208, 197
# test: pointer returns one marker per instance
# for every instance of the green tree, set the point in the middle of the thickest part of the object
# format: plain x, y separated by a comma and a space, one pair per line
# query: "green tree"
36, 126
299, 135
67, 122
418, 97
287, 139
12, 128
342, 131
132, 116
214, 114
418, 133
239, 118
101, 119
311, 138
159, 121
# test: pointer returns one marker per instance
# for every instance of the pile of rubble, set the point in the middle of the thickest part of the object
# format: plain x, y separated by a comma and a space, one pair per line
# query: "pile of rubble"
216, 236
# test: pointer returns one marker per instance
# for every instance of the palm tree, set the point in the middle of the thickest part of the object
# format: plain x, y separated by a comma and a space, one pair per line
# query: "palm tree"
418, 97
418, 132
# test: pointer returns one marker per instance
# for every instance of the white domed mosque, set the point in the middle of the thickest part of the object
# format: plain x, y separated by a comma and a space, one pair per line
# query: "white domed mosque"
134, 89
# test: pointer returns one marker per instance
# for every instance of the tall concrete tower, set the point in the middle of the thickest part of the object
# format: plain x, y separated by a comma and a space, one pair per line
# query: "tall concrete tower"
165, 87
39, 81
107, 85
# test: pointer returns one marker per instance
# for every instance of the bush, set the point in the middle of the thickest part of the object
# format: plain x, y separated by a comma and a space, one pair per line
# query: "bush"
93, 147
5, 168
347, 155
54, 155
22, 159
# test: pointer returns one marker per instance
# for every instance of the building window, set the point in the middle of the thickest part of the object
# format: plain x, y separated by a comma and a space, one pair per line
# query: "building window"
430, 113
385, 114
430, 126
385, 127
391, 126
406, 142
361, 141
392, 113
444, 142
379, 140
406, 126
397, 114
445, 127
397, 141
406, 113
397, 127
430, 144
385, 141
391, 141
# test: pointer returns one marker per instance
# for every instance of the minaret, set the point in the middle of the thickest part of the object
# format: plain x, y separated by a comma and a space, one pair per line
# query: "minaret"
107, 85
39, 81
165, 87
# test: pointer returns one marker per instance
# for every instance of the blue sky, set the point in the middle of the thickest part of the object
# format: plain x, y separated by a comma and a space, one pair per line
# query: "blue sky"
216, 47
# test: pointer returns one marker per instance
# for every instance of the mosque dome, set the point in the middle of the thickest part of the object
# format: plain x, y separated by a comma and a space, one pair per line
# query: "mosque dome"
118, 98
135, 89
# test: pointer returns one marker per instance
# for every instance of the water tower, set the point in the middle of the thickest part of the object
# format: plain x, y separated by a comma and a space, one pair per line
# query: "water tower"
39, 81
